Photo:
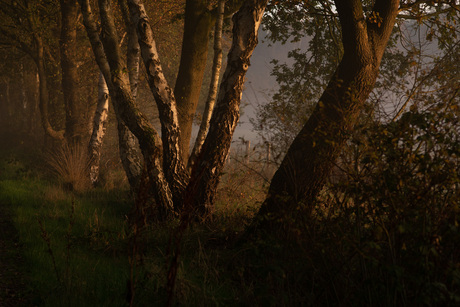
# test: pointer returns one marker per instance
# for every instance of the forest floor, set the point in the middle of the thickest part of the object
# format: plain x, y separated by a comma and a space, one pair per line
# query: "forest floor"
13, 289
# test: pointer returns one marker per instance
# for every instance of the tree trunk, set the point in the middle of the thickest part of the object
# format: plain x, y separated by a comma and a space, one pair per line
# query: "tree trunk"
126, 140
76, 124
212, 94
310, 158
108, 57
206, 172
99, 127
43, 88
173, 164
198, 24
32, 124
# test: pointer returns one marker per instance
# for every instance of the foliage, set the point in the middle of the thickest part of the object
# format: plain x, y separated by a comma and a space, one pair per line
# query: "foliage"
418, 59
396, 210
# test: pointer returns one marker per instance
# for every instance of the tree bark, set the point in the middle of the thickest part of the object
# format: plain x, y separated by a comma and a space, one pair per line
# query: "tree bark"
108, 57
206, 172
126, 140
310, 158
173, 164
198, 24
212, 94
43, 89
76, 124
99, 127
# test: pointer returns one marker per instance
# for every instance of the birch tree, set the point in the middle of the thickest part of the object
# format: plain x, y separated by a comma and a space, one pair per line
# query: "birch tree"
99, 128
166, 168
212, 94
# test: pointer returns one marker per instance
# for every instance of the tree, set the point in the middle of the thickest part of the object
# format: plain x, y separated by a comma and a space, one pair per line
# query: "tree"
24, 26
311, 156
76, 123
199, 19
167, 168
212, 94
290, 184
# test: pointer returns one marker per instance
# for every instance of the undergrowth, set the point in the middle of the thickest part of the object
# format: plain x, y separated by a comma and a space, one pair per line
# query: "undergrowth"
385, 232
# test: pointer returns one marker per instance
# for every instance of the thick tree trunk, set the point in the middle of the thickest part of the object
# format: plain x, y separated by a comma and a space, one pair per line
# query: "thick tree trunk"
212, 94
206, 172
310, 158
198, 24
99, 127
76, 123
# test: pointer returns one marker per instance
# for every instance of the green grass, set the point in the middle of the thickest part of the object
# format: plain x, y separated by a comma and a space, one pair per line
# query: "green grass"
78, 247
81, 249
87, 246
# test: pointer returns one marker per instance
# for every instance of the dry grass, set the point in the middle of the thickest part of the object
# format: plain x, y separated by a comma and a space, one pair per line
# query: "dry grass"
70, 165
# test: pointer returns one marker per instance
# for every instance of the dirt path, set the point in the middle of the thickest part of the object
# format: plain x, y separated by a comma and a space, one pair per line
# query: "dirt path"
12, 284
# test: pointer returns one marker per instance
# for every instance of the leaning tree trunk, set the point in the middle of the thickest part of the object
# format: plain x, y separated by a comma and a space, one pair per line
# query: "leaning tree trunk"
310, 158
126, 140
212, 94
108, 57
173, 164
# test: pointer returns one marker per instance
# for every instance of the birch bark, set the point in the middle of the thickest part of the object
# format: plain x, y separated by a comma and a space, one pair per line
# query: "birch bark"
173, 164
107, 52
126, 140
206, 172
99, 127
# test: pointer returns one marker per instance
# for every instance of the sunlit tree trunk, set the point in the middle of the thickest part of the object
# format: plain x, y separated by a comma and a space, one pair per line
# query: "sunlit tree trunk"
108, 57
126, 140
310, 158
212, 94
99, 127
173, 164
198, 24
207, 171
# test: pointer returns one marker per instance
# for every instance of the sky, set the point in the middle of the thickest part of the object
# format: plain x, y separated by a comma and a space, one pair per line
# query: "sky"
259, 82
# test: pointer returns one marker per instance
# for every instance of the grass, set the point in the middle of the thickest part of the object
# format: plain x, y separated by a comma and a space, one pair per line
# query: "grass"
78, 245
87, 245
81, 249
